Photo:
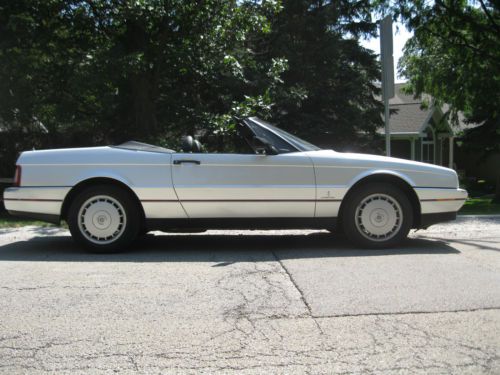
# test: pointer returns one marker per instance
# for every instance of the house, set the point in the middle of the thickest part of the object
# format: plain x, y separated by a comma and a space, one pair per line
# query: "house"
419, 129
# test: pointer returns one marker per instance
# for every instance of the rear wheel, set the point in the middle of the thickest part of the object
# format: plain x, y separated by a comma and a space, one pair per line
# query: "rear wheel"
104, 218
377, 215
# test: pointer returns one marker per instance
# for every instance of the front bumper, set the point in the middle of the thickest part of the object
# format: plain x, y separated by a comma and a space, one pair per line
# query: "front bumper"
430, 219
440, 200
43, 203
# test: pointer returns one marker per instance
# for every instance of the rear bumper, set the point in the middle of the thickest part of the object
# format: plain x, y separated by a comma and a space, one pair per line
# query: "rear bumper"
35, 202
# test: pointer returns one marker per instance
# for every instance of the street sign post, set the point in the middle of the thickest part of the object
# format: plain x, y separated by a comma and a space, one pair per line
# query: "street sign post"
387, 60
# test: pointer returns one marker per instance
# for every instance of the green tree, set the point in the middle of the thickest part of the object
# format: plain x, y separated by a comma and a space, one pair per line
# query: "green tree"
105, 71
329, 86
454, 55
97, 71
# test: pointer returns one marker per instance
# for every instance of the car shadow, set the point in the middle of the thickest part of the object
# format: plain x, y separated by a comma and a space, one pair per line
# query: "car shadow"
221, 249
478, 243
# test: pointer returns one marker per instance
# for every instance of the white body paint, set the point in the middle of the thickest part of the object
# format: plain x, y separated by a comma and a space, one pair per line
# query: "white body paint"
296, 185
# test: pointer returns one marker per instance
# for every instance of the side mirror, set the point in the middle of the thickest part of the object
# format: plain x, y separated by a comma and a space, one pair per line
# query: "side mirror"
263, 147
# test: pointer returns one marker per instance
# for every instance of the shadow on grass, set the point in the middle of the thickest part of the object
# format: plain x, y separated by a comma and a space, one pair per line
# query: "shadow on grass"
8, 223
220, 249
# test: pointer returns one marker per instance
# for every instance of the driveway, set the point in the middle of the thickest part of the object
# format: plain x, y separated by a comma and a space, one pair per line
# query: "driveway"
253, 302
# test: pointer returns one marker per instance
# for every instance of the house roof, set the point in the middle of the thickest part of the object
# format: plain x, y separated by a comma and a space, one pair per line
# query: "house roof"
410, 117
401, 97
408, 114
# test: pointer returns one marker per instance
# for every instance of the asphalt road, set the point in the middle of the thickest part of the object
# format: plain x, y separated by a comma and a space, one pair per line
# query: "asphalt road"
253, 302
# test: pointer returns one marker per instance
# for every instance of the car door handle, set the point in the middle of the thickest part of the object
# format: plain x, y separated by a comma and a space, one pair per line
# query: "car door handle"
182, 161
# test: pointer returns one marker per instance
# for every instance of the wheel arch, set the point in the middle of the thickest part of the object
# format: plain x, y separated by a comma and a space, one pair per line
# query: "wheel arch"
92, 181
391, 178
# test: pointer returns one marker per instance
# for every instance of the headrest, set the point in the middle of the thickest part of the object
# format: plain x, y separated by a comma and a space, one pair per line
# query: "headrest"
187, 143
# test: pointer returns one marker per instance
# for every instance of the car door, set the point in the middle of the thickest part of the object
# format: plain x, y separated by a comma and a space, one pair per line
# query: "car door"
244, 185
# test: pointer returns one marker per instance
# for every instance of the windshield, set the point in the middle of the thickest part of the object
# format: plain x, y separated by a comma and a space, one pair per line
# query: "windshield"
298, 143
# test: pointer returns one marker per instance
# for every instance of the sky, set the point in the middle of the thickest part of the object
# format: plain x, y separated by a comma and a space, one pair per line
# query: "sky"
400, 36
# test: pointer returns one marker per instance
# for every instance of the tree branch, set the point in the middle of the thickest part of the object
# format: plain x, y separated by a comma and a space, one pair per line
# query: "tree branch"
490, 17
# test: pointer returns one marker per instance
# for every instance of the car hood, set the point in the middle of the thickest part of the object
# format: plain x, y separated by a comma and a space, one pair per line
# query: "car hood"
413, 171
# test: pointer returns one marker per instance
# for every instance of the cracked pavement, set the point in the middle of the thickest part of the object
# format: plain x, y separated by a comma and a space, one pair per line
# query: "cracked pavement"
253, 302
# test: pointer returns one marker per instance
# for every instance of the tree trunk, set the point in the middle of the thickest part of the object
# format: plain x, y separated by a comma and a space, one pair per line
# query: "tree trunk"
138, 109
145, 121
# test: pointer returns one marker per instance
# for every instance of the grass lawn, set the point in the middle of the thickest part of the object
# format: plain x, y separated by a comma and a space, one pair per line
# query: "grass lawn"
479, 206
8, 221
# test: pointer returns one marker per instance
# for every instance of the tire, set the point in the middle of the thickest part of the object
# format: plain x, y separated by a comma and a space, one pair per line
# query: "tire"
377, 215
143, 233
104, 219
337, 230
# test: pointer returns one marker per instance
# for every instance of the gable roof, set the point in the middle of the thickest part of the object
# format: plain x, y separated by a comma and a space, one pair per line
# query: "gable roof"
408, 115
409, 118
401, 97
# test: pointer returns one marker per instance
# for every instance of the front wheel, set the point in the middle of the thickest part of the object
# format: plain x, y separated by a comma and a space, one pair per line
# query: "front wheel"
104, 218
377, 215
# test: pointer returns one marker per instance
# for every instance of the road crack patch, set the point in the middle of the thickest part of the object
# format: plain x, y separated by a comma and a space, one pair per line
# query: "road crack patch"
301, 292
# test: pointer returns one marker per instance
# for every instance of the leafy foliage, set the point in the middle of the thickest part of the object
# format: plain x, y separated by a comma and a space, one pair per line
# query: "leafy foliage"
105, 71
121, 69
329, 87
454, 55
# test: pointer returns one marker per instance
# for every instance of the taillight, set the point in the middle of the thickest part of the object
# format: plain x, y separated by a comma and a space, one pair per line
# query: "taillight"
17, 176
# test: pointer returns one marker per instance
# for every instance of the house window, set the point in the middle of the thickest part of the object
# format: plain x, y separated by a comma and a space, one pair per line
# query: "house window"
428, 146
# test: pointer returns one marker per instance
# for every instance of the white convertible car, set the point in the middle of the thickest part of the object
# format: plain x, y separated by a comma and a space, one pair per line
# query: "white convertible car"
272, 179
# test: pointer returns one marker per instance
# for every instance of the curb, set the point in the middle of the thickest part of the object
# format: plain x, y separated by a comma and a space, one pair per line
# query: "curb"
485, 216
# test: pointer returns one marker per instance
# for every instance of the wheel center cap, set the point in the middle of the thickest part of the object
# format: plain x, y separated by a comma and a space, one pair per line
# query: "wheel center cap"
101, 220
379, 217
